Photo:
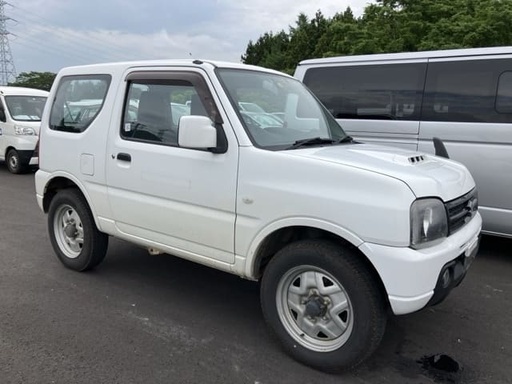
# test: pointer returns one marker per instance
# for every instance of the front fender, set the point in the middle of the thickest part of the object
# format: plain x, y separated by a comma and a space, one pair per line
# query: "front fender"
252, 253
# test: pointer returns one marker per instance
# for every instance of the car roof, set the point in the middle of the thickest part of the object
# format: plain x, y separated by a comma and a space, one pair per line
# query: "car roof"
122, 66
22, 91
411, 55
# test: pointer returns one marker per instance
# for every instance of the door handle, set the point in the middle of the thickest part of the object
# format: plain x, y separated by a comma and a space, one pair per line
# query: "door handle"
124, 157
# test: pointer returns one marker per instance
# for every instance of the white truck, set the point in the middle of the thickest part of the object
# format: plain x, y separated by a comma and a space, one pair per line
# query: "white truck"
337, 232
20, 116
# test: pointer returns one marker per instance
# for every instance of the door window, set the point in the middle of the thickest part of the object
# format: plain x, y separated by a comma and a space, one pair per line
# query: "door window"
468, 91
155, 104
383, 92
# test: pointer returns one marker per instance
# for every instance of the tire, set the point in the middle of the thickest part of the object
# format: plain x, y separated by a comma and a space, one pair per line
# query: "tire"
323, 305
76, 240
13, 162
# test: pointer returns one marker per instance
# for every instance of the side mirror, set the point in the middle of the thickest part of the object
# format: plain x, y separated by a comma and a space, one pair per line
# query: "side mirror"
196, 132
2, 115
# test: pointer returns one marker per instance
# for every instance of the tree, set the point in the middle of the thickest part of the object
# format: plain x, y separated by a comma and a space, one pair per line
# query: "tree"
37, 80
387, 26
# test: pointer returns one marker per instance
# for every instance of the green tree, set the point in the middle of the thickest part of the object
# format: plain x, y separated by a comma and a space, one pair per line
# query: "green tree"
38, 80
387, 26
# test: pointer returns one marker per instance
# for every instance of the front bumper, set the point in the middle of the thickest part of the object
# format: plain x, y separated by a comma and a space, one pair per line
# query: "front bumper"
453, 273
413, 278
27, 158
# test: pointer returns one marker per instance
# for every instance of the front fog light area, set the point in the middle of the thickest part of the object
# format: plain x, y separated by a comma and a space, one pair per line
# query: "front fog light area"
428, 222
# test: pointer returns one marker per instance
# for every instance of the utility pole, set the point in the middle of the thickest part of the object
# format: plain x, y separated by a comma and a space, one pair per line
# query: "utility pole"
7, 69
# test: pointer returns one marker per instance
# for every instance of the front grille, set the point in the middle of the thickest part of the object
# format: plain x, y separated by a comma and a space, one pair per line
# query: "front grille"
461, 210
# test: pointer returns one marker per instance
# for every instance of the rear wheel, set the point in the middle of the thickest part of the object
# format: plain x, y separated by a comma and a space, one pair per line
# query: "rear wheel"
13, 162
79, 245
323, 304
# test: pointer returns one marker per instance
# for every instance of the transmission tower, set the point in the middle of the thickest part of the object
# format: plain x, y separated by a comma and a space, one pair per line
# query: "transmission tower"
7, 70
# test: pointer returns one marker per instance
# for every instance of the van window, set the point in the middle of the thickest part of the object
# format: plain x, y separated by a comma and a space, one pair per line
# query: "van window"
504, 94
388, 92
25, 108
468, 91
78, 101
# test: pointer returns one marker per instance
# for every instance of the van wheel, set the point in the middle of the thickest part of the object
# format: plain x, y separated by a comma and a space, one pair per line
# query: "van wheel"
79, 245
13, 162
323, 304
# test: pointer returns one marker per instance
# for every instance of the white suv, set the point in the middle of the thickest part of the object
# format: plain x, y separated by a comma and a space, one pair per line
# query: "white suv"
20, 117
336, 231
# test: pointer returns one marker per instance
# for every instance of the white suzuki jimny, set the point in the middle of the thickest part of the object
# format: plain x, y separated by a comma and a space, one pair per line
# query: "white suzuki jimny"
338, 232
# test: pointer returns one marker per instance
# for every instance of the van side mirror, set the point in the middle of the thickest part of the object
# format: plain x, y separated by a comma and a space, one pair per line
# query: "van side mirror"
196, 132
440, 148
2, 115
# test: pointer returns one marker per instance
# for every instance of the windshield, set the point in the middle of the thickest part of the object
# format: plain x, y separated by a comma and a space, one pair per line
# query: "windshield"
278, 111
25, 108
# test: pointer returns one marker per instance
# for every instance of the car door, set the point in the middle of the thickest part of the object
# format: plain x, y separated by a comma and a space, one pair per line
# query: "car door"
182, 199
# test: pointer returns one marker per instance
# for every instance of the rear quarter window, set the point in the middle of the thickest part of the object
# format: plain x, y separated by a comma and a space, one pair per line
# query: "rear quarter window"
78, 102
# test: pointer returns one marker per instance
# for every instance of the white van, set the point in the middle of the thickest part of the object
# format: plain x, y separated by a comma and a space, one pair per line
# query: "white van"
462, 96
337, 232
20, 118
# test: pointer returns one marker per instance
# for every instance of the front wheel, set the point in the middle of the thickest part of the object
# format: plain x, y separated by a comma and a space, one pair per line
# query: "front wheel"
13, 162
323, 304
79, 245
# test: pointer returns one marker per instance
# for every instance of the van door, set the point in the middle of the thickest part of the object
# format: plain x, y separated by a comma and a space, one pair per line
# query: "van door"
374, 102
3, 131
468, 104
182, 200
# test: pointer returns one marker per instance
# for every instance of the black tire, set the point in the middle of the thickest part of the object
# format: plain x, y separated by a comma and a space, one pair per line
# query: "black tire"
323, 345
13, 162
79, 244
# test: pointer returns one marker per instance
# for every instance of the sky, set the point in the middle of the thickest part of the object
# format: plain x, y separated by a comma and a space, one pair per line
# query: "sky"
47, 35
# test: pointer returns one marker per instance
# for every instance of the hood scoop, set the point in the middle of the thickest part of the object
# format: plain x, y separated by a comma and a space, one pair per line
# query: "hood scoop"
417, 159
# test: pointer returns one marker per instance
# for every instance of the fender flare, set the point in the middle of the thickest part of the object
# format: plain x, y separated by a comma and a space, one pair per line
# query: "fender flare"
256, 242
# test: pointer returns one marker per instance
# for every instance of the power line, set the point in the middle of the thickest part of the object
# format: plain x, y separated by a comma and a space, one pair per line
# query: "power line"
94, 43
7, 69
66, 40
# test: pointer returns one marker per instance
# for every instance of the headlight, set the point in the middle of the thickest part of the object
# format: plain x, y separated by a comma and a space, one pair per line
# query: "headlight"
25, 131
428, 222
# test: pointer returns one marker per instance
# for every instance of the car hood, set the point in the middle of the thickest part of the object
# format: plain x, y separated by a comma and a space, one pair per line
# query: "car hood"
426, 175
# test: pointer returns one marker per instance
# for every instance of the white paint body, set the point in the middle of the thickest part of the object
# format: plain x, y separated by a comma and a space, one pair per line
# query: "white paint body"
216, 209
8, 137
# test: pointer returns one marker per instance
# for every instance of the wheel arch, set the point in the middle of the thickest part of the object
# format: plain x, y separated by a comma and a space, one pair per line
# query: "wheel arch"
7, 149
63, 181
266, 246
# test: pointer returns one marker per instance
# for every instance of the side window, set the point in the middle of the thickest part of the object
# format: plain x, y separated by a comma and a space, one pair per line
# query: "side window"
388, 91
78, 101
468, 91
154, 107
504, 94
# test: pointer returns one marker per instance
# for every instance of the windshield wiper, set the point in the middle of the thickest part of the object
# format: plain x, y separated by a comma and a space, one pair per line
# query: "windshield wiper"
346, 139
311, 141
319, 140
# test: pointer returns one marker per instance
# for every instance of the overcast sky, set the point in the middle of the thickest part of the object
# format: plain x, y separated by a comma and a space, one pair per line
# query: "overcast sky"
50, 34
